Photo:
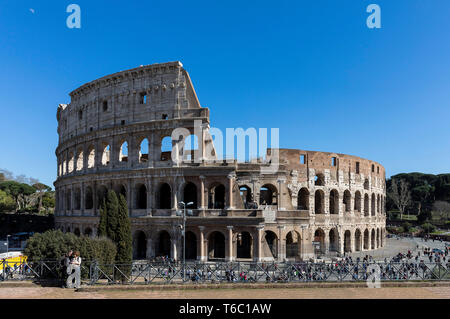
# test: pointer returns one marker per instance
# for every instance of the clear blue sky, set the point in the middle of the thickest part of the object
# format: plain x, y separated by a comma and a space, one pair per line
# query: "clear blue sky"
311, 68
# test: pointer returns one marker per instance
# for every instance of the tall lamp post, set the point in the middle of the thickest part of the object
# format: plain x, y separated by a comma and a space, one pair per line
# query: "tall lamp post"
184, 237
7, 244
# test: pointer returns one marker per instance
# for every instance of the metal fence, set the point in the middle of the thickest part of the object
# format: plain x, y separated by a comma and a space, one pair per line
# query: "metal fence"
235, 272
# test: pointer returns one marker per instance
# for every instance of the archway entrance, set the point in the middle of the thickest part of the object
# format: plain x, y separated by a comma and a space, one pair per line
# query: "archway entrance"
357, 240
140, 245
217, 197
347, 241
333, 236
165, 196
163, 246
293, 245
319, 237
244, 245
272, 243
190, 194
216, 245
191, 246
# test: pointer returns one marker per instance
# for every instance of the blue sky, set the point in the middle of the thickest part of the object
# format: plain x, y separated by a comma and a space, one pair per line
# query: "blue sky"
311, 68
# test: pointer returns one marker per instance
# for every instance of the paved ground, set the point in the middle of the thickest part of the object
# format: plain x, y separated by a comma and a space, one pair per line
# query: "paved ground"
241, 293
396, 245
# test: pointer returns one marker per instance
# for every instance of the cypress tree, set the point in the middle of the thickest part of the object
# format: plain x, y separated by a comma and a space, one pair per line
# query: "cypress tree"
101, 230
123, 239
112, 213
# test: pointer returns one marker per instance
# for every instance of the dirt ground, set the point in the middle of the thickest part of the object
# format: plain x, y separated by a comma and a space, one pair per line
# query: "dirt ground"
239, 293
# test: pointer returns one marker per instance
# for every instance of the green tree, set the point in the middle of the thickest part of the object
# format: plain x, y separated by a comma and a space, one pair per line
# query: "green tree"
6, 202
428, 228
41, 189
19, 191
123, 236
112, 214
101, 230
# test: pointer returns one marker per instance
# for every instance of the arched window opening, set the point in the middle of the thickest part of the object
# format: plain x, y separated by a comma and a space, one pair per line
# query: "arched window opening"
143, 151
244, 245
268, 195
101, 195
246, 195
378, 204
141, 196
366, 184
319, 238
190, 145
293, 245
140, 245
272, 242
347, 201
106, 155
378, 238
347, 241
71, 162
358, 240
373, 205
303, 199
334, 202
333, 237
216, 245
166, 148
191, 246
77, 202
319, 202
217, 197
366, 239
77, 232
190, 194
69, 200
79, 160
165, 196
123, 154
372, 239
91, 157
163, 246
366, 205
319, 180
89, 200
358, 201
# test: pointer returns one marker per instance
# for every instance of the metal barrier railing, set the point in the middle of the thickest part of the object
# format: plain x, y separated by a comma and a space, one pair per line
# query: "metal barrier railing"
167, 272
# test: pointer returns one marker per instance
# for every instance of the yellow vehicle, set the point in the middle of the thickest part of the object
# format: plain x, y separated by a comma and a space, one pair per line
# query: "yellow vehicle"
10, 259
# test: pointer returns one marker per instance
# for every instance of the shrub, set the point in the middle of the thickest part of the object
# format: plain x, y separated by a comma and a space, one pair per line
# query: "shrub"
54, 244
428, 228
406, 227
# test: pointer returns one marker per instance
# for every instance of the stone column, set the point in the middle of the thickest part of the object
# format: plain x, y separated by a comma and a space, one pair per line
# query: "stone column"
231, 178
259, 230
173, 251
327, 241
202, 254
202, 192
229, 247
281, 244
150, 249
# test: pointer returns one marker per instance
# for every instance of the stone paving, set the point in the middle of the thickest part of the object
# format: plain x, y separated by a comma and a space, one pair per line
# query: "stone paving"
400, 244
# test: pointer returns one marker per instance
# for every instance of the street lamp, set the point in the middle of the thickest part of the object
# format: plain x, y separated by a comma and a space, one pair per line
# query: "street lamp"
184, 237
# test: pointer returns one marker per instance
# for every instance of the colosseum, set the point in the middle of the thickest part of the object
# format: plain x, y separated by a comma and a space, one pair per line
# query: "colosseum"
117, 134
